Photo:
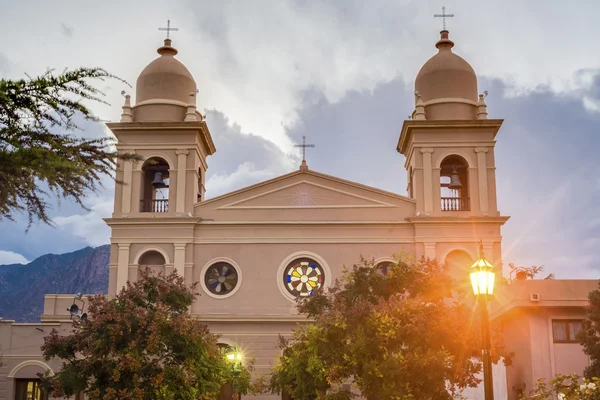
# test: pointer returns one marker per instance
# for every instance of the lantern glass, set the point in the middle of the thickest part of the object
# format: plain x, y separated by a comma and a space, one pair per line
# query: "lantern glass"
482, 277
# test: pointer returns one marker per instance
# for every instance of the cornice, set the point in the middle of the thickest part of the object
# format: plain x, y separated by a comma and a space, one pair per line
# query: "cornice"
250, 318
498, 312
458, 220
171, 125
409, 125
198, 220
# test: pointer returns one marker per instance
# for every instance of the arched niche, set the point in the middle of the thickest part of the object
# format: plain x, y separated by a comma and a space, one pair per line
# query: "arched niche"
454, 184
153, 260
30, 369
154, 188
458, 264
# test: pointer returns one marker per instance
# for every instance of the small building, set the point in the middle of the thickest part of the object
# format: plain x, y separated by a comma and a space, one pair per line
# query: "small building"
540, 320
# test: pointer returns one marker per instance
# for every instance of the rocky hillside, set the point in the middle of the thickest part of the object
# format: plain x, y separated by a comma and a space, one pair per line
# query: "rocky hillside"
22, 287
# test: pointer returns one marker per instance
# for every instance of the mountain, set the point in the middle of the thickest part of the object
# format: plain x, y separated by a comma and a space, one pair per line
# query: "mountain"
22, 287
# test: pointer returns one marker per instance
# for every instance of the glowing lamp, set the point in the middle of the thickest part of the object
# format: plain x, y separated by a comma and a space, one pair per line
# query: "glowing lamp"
482, 275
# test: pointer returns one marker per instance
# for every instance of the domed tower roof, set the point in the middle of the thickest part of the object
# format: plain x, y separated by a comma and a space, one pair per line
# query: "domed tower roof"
447, 84
163, 88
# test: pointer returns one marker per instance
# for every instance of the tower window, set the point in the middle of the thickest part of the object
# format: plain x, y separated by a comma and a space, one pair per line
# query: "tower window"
454, 184
155, 186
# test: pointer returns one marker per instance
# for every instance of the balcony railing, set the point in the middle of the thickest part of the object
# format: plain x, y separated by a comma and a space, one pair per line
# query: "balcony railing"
455, 204
157, 206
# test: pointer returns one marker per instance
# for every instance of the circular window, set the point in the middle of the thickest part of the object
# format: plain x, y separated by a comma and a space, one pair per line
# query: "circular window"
384, 267
302, 276
221, 278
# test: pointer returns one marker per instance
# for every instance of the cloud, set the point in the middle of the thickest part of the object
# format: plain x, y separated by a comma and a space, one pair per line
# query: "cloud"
10, 257
89, 226
242, 158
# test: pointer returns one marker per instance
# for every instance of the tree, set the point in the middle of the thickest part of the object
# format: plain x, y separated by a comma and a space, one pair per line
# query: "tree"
565, 387
402, 335
590, 334
143, 345
38, 155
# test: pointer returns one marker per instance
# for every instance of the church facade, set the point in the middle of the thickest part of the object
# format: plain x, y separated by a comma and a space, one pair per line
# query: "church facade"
256, 250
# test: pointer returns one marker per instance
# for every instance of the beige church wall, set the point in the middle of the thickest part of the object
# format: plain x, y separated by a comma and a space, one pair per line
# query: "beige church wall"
323, 232
260, 265
21, 355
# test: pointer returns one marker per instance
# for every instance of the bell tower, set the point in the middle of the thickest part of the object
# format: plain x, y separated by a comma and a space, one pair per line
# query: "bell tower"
166, 131
449, 148
159, 188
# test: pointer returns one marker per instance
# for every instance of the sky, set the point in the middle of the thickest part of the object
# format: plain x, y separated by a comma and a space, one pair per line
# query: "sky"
342, 73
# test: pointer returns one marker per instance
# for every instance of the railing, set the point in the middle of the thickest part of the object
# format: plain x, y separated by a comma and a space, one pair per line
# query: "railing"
157, 206
455, 204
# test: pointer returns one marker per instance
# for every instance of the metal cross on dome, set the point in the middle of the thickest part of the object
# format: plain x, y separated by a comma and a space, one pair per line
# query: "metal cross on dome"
304, 146
168, 28
443, 16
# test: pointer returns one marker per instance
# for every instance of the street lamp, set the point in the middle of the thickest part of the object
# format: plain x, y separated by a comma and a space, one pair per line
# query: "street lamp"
234, 357
482, 280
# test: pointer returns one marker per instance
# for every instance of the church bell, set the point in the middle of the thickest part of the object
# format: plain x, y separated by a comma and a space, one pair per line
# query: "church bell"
158, 182
454, 179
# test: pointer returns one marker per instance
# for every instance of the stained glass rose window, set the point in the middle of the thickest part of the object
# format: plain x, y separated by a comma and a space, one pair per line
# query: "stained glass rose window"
302, 276
221, 278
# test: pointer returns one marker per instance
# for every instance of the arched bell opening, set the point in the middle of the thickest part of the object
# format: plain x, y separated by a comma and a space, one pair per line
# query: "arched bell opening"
155, 186
454, 184
152, 260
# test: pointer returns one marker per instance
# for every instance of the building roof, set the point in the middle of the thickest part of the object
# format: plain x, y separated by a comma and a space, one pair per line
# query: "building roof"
535, 293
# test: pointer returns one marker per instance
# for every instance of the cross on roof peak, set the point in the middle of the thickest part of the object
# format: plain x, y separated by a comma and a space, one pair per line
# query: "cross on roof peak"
168, 28
443, 16
304, 146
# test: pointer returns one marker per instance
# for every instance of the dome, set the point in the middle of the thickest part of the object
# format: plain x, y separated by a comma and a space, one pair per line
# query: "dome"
163, 88
447, 84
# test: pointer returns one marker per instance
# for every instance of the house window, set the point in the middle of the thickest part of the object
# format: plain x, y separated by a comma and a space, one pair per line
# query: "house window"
29, 389
566, 330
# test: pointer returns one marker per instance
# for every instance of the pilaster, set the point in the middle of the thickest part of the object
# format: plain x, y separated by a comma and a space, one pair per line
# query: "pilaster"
430, 250
179, 262
181, 172
427, 181
483, 179
122, 266
127, 182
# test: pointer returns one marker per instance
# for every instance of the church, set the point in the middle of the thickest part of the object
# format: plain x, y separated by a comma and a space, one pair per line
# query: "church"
256, 250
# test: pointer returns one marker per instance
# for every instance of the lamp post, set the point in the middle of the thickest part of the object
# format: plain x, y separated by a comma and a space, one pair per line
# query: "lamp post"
234, 357
482, 280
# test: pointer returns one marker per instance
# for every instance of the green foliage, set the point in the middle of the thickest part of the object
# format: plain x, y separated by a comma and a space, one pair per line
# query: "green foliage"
36, 150
565, 387
405, 335
141, 345
590, 334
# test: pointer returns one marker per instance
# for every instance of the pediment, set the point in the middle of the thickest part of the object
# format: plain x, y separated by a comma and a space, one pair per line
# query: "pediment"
305, 194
